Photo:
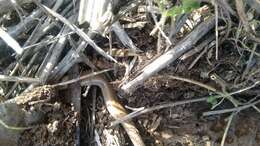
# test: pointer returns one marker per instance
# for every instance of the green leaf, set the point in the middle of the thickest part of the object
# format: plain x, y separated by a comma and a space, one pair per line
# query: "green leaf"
190, 5
212, 100
186, 7
174, 11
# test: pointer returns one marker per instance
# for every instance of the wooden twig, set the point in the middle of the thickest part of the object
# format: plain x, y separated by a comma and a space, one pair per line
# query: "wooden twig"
226, 129
243, 17
52, 61
170, 56
74, 90
11, 41
236, 109
68, 61
122, 35
157, 107
127, 41
29, 21
173, 104
206, 43
192, 82
24, 72
19, 79
254, 4
216, 29
6, 5
249, 62
76, 29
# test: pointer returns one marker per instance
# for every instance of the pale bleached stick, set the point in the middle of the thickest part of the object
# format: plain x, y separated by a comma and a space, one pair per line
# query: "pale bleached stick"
164, 60
10, 41
19, 79
76, 29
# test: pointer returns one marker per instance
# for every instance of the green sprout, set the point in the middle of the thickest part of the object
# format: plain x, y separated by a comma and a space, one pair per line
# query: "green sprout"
187, 6
212, 100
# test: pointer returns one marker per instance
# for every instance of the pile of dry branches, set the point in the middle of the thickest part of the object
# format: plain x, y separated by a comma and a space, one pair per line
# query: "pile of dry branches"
58, 42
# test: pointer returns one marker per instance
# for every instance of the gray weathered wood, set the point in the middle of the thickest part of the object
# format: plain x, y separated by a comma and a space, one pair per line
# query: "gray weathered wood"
164, 60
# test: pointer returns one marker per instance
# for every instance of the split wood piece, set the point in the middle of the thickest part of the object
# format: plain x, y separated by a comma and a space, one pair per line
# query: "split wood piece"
164, 60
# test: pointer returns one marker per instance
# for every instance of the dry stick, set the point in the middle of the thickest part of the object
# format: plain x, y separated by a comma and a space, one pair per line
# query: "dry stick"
10, 41
30, 21
170, 56
127, 41
19, 79
76, 29
254, 4
209, 42
242, 15
244, 47
5, 125
123, 36
25, 53
198, 57
48, 41
231, 109
159, 25
44, 28
227, 6
192, 82
227, 128
131, 5
80, 78
51, 59
38, 32
93, 117
216, 27
24, 72
54, 58
18, 10
6, 5
157, 107
249, 62
72, 57
167, 105
74, 90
